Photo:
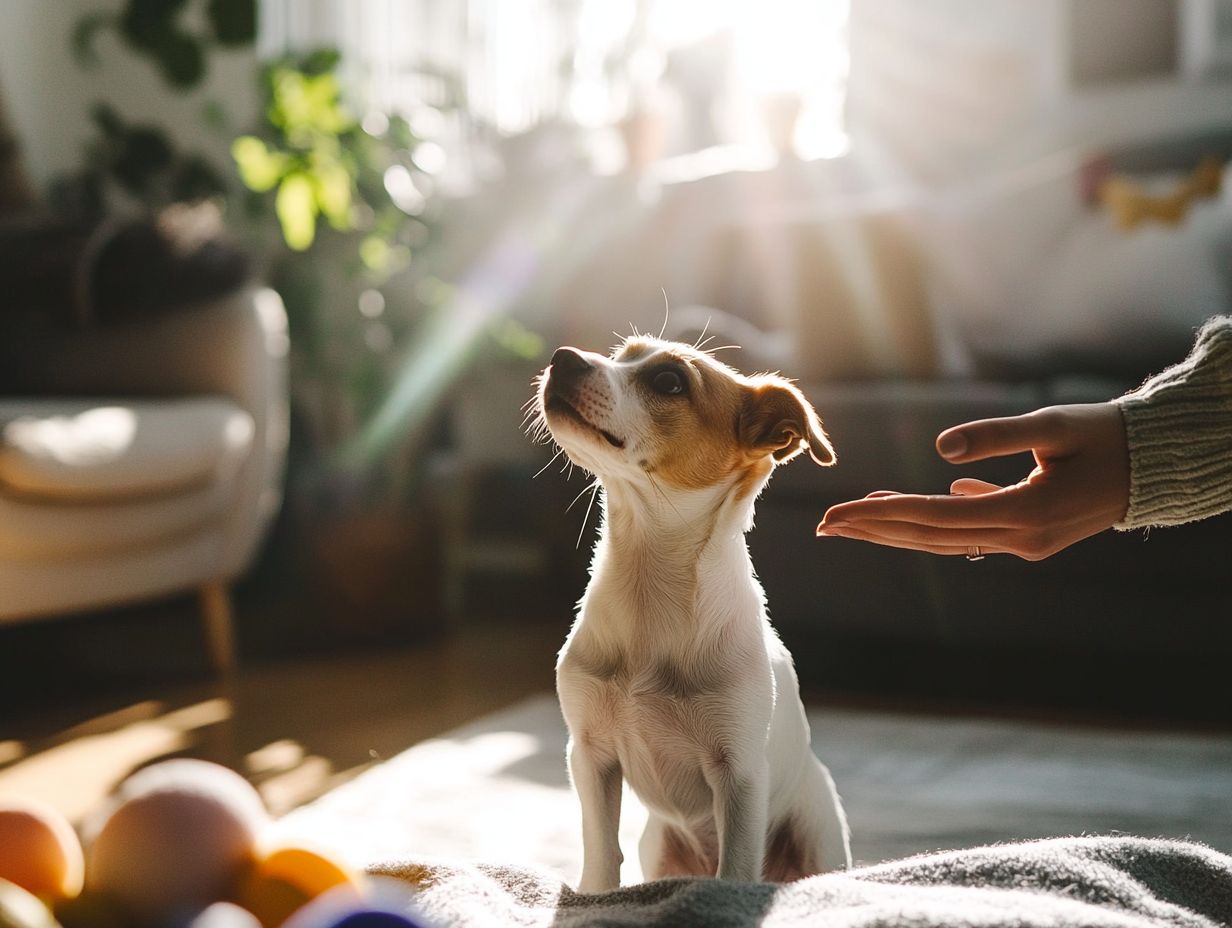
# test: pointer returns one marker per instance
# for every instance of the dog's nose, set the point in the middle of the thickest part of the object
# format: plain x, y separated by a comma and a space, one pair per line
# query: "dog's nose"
568, 366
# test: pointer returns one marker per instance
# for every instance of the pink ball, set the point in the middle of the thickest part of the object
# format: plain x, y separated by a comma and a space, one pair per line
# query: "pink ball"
176, 837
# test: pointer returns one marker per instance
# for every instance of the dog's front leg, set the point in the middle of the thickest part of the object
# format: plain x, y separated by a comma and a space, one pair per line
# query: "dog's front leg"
741, 808
597, 781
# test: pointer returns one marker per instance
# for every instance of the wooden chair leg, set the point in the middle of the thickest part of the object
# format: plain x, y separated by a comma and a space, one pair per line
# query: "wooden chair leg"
219, 621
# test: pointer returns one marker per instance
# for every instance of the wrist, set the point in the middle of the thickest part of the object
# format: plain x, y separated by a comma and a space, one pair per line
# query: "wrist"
1178, 428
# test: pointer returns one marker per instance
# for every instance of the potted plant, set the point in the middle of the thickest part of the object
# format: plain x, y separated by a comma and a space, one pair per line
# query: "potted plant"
335, 215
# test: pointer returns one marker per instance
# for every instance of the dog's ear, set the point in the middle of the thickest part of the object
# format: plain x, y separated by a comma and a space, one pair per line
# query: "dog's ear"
778, 420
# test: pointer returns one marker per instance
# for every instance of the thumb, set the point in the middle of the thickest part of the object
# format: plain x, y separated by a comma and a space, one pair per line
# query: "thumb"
991, 438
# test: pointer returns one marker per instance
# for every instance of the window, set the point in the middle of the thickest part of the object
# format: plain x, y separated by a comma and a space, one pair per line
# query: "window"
725, 73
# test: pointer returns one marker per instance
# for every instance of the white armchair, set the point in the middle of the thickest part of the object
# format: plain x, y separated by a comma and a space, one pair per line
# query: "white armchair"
142, 460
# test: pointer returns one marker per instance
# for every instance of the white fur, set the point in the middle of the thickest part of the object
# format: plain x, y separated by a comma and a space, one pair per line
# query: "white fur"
672, 676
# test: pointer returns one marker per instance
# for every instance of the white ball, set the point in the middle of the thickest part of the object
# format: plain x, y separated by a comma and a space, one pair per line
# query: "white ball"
176, 837
225, 915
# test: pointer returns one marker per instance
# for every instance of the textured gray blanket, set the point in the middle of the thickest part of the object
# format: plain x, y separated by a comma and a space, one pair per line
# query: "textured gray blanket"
1089, 882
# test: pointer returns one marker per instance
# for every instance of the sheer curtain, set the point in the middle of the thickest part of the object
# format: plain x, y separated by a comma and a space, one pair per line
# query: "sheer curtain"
472, 70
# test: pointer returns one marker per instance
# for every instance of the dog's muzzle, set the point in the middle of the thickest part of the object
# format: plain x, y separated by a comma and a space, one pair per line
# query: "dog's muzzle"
560, 393
568, 369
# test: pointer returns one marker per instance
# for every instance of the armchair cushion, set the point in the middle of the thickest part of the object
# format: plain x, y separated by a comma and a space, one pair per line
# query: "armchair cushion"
34, 530
91, 450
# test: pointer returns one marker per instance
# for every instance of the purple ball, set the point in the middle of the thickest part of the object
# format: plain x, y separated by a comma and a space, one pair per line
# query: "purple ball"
374, 918
387, 906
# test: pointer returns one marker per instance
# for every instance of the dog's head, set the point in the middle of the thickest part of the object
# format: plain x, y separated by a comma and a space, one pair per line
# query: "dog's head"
675, 413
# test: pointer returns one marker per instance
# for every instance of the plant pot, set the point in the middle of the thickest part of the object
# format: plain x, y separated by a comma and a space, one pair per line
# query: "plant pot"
376, 574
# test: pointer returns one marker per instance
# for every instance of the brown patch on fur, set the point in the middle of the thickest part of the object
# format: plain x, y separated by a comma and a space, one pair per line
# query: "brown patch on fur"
696, 432
632, 349
725, 423
682, 858
784, 856
754, 477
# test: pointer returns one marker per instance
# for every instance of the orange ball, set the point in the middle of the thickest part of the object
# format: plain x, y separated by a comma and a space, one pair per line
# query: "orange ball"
271, 900
289, 876
39, 851
312, 871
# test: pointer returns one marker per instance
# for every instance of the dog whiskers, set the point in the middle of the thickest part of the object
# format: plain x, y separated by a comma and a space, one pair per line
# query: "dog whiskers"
536, 428
705, 329
580, 495
559, 452
594, 491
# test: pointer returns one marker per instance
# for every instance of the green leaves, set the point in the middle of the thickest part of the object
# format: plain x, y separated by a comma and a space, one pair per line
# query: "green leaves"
306, 106
260, 169
305, 159
297, 208
234, 21
332, 185
138, 160
154, 28
85, 31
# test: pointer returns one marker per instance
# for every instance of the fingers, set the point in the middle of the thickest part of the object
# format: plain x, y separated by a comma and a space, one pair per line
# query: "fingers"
997, 508
924, 537
877, 537
969, 486
990, 438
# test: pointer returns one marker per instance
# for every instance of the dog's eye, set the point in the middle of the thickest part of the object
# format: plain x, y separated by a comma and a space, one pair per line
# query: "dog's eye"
668, 381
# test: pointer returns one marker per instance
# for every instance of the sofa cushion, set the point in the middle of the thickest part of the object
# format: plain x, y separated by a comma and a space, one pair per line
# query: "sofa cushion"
96, 450
36, 530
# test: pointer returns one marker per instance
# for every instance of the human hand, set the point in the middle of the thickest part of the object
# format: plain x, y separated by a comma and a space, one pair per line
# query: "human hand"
1079, 487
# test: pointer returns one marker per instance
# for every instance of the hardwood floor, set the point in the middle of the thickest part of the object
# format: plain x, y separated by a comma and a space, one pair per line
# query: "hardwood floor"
295, 728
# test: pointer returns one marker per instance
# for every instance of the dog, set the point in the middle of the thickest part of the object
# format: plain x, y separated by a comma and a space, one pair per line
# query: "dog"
671, 677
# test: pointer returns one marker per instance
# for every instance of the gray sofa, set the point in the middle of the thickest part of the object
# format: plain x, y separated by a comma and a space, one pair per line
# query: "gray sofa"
1133, 620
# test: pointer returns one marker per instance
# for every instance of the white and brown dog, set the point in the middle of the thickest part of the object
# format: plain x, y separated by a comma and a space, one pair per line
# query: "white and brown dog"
672, 676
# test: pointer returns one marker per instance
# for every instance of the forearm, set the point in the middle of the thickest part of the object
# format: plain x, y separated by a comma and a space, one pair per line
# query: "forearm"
1179, 430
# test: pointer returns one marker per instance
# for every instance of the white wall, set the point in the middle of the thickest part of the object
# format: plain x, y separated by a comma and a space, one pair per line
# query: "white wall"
48, 94
956, 88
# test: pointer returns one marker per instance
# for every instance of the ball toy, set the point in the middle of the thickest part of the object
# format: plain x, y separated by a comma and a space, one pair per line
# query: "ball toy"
39, 851
20, 909
372, 918
224, 915
177, 836
285, 878
386, 904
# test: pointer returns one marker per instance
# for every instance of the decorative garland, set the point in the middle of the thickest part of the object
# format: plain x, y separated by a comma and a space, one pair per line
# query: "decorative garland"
1129, 204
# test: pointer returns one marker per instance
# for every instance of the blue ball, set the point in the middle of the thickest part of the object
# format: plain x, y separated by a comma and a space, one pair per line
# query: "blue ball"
387, 906
374, 918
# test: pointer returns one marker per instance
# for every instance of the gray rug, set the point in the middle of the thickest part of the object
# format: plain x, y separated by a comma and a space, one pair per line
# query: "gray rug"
1060, 883
496, 791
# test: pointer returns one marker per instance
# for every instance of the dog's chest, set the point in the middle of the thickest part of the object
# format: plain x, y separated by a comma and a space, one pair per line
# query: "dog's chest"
664, 719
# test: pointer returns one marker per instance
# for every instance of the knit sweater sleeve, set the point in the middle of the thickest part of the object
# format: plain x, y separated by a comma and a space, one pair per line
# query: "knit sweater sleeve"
1179, 429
